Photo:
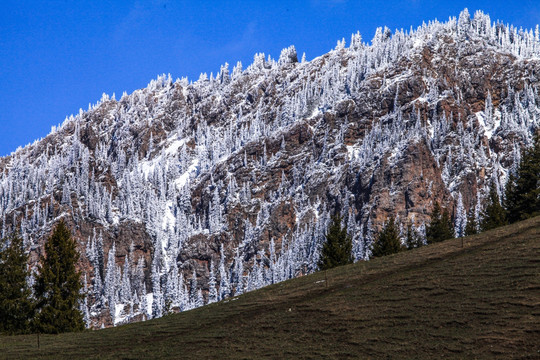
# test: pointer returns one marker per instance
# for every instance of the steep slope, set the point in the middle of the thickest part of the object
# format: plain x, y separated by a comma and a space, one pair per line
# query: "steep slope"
230, 181
441, 301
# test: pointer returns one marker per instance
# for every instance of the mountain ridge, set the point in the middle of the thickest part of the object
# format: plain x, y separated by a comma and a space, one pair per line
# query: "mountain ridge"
241, 172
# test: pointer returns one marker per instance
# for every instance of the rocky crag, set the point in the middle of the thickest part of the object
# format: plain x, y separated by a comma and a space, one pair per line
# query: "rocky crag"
185, 193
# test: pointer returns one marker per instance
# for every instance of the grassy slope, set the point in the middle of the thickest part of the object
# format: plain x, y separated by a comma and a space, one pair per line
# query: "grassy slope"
440, 301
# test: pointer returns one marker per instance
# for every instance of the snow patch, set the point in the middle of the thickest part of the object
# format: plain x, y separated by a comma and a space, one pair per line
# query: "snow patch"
192, 171
168, 217
116, 217
489, 128
352, 152
119, 315
146, 167
172, 149
149, 301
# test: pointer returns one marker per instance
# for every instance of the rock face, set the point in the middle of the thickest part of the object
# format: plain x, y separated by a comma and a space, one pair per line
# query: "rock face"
185, 193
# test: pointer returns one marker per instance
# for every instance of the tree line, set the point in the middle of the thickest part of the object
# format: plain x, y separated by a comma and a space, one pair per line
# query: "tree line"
48, 302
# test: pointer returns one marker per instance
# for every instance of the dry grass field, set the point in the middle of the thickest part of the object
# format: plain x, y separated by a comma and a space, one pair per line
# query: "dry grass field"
481, 301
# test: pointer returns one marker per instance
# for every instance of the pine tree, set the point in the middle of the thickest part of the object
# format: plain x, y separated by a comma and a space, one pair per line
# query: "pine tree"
413, 239
523, 192
387, 241
494, 214
58, 285
337, 250
110, 284
440, 227
512, 199
224, 284
16, 305
471, 228
193, 290
212, 291
143, 306
461, 218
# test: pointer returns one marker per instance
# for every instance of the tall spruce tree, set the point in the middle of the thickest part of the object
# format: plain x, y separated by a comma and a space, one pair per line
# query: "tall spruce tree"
337, 250
522, 195
16, 305
494, 215
387, 241
440, 228
58, 285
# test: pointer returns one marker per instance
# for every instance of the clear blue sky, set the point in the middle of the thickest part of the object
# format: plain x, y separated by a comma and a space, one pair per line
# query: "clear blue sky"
59, 56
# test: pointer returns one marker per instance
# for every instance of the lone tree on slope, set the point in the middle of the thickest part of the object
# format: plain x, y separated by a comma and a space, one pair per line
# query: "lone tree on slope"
337, 250
58, 285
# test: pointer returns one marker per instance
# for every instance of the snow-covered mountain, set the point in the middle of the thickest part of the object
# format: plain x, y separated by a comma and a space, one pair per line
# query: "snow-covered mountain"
185, 193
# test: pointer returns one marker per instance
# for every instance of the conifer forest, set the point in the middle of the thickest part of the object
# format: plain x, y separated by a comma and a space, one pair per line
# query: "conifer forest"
186, 193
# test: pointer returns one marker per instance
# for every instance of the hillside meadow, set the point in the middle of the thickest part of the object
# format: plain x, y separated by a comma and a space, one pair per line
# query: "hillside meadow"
473, 298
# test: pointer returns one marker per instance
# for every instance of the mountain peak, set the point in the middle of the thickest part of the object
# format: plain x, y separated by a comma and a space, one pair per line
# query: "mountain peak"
243, 170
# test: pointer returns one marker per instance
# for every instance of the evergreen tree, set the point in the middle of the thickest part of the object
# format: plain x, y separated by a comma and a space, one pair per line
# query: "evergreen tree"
387, 241
16, 305
512, 199
471, 228
337, 250
413, 239
224, 284
212, 291
193, 290
523, 192
461, 218
144, 303
58, 285
494, 214
440, 227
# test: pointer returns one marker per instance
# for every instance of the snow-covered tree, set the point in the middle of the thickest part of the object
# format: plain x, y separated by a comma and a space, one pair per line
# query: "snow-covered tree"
212, 291
460, 218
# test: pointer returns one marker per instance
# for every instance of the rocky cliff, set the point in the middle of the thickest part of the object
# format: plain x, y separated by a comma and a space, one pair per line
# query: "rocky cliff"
185, 193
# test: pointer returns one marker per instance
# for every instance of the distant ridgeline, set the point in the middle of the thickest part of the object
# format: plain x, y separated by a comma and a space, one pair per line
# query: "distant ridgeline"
185, 193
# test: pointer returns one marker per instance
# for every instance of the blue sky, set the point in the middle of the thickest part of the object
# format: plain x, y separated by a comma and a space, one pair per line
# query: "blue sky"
59, 56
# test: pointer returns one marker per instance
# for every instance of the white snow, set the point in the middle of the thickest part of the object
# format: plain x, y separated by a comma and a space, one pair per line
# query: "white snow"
172, 149
146, 166
397, 79
119, 314
352, 152
418, 43
116, 218
316, 112
168, 217
185, 177
489, 129
149, 301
